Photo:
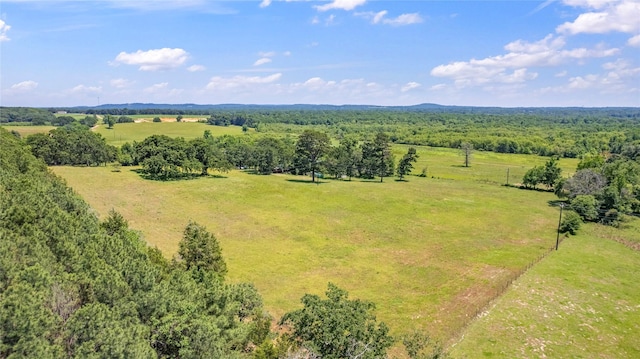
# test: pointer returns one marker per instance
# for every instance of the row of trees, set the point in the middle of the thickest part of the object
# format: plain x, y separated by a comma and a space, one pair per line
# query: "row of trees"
165, 157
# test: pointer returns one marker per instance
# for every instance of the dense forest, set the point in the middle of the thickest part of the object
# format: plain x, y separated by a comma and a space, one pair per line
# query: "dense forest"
564, 132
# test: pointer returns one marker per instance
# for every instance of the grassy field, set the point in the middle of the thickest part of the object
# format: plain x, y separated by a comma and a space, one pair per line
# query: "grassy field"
580, 302
429, 252
28, 130
129, 132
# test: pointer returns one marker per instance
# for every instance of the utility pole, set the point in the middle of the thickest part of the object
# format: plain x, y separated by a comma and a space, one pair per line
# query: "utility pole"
559, 222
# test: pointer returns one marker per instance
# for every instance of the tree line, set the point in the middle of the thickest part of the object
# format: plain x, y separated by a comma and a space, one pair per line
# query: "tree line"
562, 132
310, 154
604, 188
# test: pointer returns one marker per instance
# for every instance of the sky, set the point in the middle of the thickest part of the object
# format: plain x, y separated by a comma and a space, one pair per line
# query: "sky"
506, 53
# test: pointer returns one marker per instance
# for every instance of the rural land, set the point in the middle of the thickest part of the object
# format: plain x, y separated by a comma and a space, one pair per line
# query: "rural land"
317, 231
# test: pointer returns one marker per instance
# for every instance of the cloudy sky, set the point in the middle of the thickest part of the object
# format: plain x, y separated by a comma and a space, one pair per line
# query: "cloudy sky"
484, 53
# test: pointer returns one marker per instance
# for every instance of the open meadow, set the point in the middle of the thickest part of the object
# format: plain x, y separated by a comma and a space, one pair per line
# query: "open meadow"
429, 252
580, 302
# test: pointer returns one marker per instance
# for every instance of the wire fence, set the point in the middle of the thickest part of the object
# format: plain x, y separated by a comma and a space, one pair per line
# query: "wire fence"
481, 307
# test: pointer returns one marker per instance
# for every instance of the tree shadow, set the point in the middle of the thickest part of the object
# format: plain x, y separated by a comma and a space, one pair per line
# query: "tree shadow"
557, 203
304, 181
174, 177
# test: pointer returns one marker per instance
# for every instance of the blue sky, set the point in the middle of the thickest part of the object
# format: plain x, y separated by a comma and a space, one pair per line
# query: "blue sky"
481, 53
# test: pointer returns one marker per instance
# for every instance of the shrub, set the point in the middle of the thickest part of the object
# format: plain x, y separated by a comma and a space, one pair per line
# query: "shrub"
586, 206
157, 119
570, 222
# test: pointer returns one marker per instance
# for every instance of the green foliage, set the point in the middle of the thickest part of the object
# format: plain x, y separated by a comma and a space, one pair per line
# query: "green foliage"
89, 121
571, 222
109, 120
71, 286
115, 223
586, 206
35, 116
467, 151
337, 327
71, 146
157, 119
63, 120
421, 346
406, 163
549, 175
310, 148
200, 250
533, 177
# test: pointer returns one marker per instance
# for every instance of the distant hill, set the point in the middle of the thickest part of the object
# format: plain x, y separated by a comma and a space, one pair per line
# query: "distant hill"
424, 107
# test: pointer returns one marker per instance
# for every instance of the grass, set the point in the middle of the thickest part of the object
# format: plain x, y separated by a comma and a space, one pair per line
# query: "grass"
580, 302
488, 167
28, 130
129, 132
429, 252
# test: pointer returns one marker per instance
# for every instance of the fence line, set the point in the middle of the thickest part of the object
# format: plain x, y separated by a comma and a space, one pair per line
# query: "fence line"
498, 292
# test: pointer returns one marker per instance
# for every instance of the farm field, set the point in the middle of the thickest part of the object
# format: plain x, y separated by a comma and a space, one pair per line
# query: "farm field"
129, 132
580, 302
429, 252
28, 130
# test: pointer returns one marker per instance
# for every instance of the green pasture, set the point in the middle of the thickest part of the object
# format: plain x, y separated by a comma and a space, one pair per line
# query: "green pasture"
28, 130
488, 167
429, 252
77, 116
129, 132
580, 302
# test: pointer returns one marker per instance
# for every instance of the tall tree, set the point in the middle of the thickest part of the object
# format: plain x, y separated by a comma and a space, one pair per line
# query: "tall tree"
467, 150
383, 156
310, 148
406, 163
201, 251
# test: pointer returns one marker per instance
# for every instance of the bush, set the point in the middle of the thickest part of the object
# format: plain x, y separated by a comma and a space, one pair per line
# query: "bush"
157, 119
586, 206
570, 222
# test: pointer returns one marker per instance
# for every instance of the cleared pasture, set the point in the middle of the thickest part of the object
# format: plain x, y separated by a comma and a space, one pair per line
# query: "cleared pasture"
28, 130
129, 132
580, 302
429, 252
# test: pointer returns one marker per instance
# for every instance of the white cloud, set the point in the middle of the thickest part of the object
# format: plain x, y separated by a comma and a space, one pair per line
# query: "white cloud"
222, 83
609, 16
24, 86
154, 60
634, 41
561, 74
3, 31
195, 68
341, 5
546, 52
380, 18
87, 90
157, 87
410, 86
267, 53
262, 61
265, 3
404, 19
121, 83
